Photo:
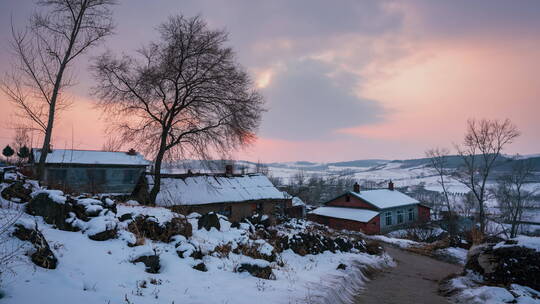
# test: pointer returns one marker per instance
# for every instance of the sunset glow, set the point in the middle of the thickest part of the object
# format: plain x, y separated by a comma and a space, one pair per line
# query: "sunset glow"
396, 81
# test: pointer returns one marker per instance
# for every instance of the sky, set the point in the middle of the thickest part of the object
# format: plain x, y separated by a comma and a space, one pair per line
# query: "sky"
342, 80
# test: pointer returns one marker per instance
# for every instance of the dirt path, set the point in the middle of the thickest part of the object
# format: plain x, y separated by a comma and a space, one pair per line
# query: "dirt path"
413, 280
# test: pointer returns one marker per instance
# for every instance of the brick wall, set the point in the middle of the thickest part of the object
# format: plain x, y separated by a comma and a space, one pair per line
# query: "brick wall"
354, 202
424, 213
239, 210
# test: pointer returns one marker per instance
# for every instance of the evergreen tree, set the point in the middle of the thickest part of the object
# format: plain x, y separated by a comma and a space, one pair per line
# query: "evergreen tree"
24, 152
8, 152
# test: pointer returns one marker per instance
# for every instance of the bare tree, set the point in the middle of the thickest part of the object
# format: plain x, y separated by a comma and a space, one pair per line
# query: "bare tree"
481, 148
183, 96
112, 144
44, 53
439, 161
511, 195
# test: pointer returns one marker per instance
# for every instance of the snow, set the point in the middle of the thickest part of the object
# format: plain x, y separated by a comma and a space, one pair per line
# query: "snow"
402, 243
161, 214
470, 289
56, 195
359, 215
296, 201
385, 198
91, 272
61, 156
455, 253
523, 241
207, 189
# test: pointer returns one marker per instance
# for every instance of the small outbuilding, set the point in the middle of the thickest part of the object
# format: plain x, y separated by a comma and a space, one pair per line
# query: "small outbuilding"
77, 171
236, 196
371, 211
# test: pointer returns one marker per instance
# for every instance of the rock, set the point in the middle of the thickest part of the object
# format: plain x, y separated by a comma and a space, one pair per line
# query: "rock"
208, 221
53, 213
150, 261
17, 193
510, 264
374, 248
104, 235
341, 266
257, 271
125, 217
43, 256
200, 267
177, 226
315, 243
148, 226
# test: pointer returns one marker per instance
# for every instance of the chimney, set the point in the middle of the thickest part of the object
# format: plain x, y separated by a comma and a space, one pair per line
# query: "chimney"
131, 152
391, 186
356, 188
228, 169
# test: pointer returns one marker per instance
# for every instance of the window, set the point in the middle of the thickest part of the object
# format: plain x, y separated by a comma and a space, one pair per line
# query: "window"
411, 214
260, 207
388, 216
347, 198
400, 216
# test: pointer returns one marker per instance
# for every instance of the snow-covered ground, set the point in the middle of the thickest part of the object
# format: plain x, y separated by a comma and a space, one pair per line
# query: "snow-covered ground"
470, 289
102, 272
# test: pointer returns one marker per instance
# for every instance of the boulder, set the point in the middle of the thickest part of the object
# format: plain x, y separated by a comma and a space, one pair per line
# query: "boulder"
150, 261
17, 193
125, 217
208, 221
341, 266
148, 226
256, 270
200, 267
52, 212
103, 235
43, 255
508, 264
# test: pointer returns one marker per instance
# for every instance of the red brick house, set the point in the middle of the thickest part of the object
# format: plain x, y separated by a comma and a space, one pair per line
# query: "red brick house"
371, 211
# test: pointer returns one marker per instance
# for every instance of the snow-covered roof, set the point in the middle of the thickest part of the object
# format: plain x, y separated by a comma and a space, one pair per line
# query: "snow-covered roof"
296, 201
208, 189
385, 198
359, 215
89, 157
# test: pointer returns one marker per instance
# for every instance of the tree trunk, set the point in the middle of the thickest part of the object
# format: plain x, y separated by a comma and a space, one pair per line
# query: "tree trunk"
157, 169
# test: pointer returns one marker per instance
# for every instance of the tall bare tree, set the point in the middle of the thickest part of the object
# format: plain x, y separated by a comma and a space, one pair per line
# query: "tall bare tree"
511, 195
182, 96
481, 148
43, 55
439, 161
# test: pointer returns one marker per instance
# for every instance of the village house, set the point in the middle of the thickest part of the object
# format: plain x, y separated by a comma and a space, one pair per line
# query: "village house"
371, 211
236, 196
77, 171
